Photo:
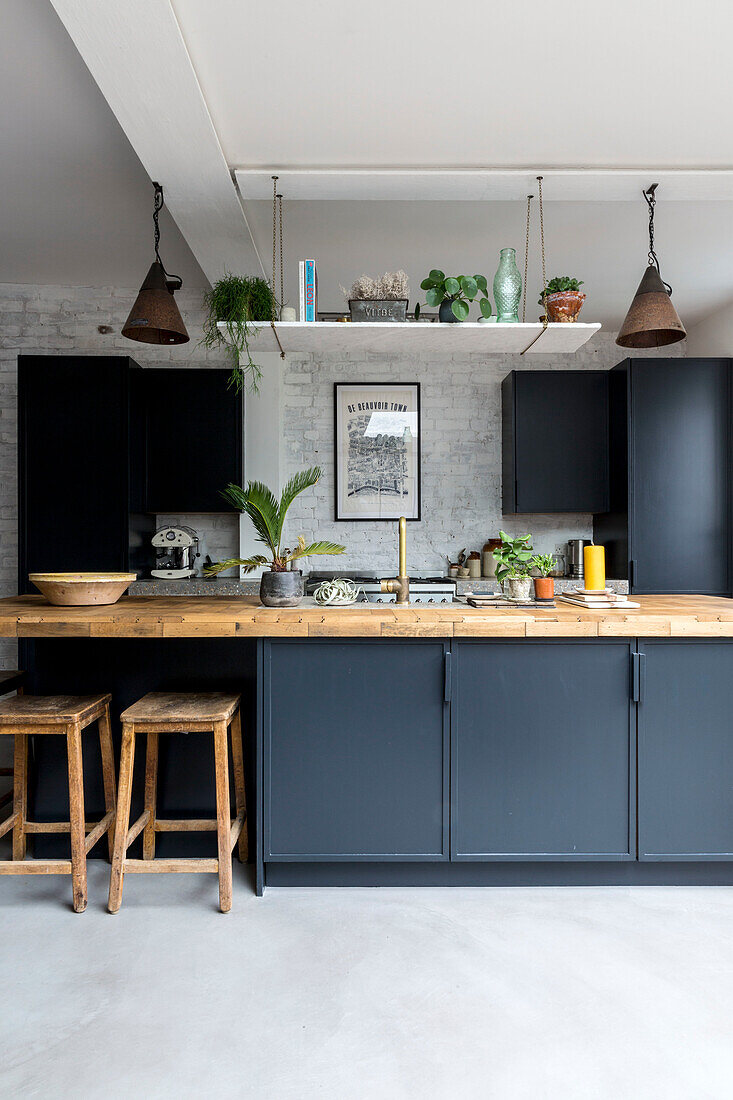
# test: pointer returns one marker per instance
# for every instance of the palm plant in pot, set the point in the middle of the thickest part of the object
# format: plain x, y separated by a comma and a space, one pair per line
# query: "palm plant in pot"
281, 586
514, 560
544, 585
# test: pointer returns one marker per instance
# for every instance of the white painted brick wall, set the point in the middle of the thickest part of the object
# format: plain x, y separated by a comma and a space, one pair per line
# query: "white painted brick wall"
461, 445
461, 453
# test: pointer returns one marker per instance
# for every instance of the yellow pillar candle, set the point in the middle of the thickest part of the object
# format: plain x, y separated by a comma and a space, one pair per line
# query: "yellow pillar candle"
594, 567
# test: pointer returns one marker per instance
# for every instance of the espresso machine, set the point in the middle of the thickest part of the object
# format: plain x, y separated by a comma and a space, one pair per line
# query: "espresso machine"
176, 551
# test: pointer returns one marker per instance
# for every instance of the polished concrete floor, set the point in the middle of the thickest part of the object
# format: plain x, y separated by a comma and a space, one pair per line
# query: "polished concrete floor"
391, 993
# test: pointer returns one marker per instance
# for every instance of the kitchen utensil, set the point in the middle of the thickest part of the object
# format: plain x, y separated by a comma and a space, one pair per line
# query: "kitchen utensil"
82, 589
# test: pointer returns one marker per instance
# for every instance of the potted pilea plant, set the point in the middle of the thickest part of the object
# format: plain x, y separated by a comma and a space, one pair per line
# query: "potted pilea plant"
514, 560
281, 586
544, 585
237, 300
562, 298
452, 294
384, 299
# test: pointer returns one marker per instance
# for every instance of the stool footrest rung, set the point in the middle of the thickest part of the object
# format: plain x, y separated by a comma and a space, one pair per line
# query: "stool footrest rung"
35, 866
185, 825
134, 831
98, 831
236, 829
168, 866
55, 826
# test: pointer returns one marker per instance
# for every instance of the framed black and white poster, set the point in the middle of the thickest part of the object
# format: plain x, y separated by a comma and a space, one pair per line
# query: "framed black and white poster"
377, 450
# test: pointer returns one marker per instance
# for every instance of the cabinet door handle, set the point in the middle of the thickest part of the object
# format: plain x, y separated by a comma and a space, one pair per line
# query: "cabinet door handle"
638, 677
447, 678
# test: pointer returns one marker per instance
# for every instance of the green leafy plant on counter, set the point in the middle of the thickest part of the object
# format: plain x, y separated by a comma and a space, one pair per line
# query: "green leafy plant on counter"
544, 564
514, 558
560, 283
268, 519
237, 300
459, 290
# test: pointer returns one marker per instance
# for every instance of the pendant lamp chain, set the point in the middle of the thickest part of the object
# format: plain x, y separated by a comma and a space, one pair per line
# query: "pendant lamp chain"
157, 207
651, 201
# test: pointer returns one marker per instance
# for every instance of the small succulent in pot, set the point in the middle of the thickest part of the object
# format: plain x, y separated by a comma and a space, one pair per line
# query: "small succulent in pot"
452, 294
514, 560
281, 586
544, 585
562, 298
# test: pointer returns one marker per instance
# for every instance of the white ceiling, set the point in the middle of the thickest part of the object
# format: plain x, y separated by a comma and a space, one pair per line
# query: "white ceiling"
75, 202
631, 83
621, 85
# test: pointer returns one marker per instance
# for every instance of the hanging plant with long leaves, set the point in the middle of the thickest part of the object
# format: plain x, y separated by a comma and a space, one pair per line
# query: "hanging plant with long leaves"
268, 519
236, 301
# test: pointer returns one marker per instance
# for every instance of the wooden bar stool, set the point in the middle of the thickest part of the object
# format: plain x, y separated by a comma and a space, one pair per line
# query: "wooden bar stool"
161, 712
26, 716
10, 681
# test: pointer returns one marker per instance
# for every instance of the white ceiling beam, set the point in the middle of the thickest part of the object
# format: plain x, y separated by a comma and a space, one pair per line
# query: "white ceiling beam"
485, 184
136, 53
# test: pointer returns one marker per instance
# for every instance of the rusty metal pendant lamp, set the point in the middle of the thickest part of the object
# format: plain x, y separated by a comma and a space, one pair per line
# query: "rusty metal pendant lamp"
154, 318
652, 320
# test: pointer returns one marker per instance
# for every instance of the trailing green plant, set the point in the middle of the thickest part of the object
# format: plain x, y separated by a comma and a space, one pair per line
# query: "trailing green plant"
514, 558
237, 300
560, 283
268, 518
459, 290
544, 564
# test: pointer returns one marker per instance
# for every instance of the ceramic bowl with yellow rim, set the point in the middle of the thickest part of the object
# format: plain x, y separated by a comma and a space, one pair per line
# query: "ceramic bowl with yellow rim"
82, 589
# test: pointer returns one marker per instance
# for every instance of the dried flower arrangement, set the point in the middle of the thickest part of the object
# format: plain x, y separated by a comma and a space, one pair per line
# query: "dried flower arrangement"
392, 286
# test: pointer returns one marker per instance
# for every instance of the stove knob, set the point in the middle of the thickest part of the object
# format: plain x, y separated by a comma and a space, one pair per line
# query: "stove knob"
431, 601
444, 600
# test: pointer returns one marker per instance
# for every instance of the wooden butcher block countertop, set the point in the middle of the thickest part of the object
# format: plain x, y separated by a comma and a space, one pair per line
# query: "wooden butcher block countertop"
220, 617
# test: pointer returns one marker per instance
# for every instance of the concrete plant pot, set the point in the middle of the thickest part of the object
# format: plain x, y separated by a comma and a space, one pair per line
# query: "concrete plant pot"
518, 588
281, 589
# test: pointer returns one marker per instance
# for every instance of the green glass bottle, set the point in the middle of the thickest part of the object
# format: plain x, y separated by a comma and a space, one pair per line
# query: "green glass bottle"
507, 287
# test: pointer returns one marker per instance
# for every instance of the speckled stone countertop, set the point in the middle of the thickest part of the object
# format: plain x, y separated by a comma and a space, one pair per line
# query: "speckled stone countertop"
231, 586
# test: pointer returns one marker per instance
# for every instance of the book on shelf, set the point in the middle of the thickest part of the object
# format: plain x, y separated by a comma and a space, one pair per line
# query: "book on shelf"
308, 291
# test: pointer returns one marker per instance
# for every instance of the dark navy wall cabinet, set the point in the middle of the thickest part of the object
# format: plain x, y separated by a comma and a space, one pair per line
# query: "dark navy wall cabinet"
543, 751
668, 527
193, 425
355, 750
555, 441
686, 751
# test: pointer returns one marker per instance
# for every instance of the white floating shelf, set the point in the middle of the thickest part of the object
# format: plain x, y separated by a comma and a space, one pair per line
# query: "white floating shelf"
433, 339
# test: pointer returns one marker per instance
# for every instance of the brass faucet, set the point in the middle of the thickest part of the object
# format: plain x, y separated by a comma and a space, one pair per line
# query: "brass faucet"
400, 584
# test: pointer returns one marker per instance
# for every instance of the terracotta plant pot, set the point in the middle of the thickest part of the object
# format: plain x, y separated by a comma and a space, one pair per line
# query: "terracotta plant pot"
281, 589
564, 305
544, 588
